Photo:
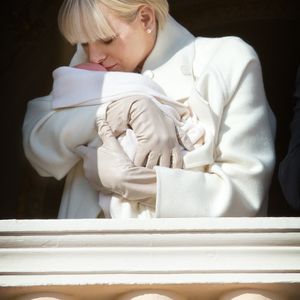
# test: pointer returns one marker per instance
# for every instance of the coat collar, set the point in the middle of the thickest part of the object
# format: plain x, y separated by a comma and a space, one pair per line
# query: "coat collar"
170, 62
170, 40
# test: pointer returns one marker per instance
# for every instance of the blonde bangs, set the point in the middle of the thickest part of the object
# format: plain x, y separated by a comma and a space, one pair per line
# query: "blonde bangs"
83, 21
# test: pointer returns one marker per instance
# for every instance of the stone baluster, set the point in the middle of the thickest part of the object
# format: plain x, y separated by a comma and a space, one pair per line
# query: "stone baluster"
45, 296
252, 295
151, 295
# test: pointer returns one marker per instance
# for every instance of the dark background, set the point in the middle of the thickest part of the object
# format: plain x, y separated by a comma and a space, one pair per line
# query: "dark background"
32, 48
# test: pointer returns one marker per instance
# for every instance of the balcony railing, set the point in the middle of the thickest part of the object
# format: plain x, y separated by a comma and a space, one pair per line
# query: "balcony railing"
197, 258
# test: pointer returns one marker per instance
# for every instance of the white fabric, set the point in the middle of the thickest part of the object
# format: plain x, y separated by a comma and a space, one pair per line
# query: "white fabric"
76, 87
221, 80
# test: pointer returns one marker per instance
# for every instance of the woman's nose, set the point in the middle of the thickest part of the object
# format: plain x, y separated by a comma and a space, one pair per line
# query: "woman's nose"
95, 55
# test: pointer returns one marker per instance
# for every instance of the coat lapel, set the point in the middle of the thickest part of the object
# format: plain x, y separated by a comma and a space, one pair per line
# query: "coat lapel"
170, 62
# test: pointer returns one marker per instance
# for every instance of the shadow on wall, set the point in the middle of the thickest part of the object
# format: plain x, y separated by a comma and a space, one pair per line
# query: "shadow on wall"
35, 48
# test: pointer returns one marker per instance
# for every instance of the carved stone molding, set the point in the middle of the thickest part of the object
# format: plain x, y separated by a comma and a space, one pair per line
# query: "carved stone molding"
199, 258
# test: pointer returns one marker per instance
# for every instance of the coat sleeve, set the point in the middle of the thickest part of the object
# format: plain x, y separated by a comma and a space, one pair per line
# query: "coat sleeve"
289, 168
50, 136
236, 183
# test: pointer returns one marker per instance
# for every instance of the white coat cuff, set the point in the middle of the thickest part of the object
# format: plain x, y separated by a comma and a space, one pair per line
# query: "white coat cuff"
172, 202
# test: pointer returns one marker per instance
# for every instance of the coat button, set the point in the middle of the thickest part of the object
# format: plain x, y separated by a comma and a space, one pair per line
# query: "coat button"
148, 73
186, 70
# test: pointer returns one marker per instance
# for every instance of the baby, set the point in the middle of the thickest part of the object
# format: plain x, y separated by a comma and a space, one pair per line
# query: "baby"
91, 84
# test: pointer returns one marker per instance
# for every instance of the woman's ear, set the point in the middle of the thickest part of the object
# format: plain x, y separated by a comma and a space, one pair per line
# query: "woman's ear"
146, 15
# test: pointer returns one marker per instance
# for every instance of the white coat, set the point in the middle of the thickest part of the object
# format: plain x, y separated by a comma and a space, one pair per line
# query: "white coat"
221, 80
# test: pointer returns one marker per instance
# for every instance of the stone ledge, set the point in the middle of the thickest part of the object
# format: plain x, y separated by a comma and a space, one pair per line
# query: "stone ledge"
204, 254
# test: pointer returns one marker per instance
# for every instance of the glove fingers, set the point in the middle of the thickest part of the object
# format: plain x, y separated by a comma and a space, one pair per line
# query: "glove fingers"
117, 116
81, 151
140, 158
184, 140
104, 130
153, 159
107, 136
177, 160
165, 160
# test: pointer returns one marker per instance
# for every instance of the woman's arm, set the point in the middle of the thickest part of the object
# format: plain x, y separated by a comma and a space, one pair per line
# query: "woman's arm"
50, 136
237, 182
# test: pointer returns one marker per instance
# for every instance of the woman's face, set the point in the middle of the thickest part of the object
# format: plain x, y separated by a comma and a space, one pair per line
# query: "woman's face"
131, 46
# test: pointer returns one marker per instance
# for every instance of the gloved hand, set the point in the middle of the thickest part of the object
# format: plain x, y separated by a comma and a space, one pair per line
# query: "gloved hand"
109, 169
158, 137
117, 172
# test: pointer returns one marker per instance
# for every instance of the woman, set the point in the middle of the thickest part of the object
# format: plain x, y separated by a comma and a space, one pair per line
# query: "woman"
219, 79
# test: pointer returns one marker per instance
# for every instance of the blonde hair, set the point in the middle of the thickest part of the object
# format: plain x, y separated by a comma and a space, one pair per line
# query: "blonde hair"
83, 20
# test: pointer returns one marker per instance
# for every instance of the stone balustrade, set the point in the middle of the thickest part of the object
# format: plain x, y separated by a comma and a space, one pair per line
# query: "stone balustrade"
205, 259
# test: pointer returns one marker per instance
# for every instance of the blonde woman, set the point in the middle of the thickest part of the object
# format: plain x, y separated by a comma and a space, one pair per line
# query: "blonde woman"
218, 79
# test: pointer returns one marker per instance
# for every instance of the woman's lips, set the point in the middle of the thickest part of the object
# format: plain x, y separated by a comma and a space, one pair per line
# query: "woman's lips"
111, 67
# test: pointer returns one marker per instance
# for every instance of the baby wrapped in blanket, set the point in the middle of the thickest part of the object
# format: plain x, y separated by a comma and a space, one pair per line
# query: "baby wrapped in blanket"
90, 84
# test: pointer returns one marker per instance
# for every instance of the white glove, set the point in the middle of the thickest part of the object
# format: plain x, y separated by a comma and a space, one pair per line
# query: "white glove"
158, 137
109, 170
117, 172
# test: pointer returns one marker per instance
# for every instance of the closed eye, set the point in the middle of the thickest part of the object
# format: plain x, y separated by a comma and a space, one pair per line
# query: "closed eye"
108, 40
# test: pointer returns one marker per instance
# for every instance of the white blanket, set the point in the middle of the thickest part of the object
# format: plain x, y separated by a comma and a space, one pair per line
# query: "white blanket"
76, 87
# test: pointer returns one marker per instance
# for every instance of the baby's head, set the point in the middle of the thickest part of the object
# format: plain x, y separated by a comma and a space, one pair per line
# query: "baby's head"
90, 67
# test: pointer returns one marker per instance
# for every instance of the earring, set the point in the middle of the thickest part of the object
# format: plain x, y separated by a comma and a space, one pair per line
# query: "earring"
149, 30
